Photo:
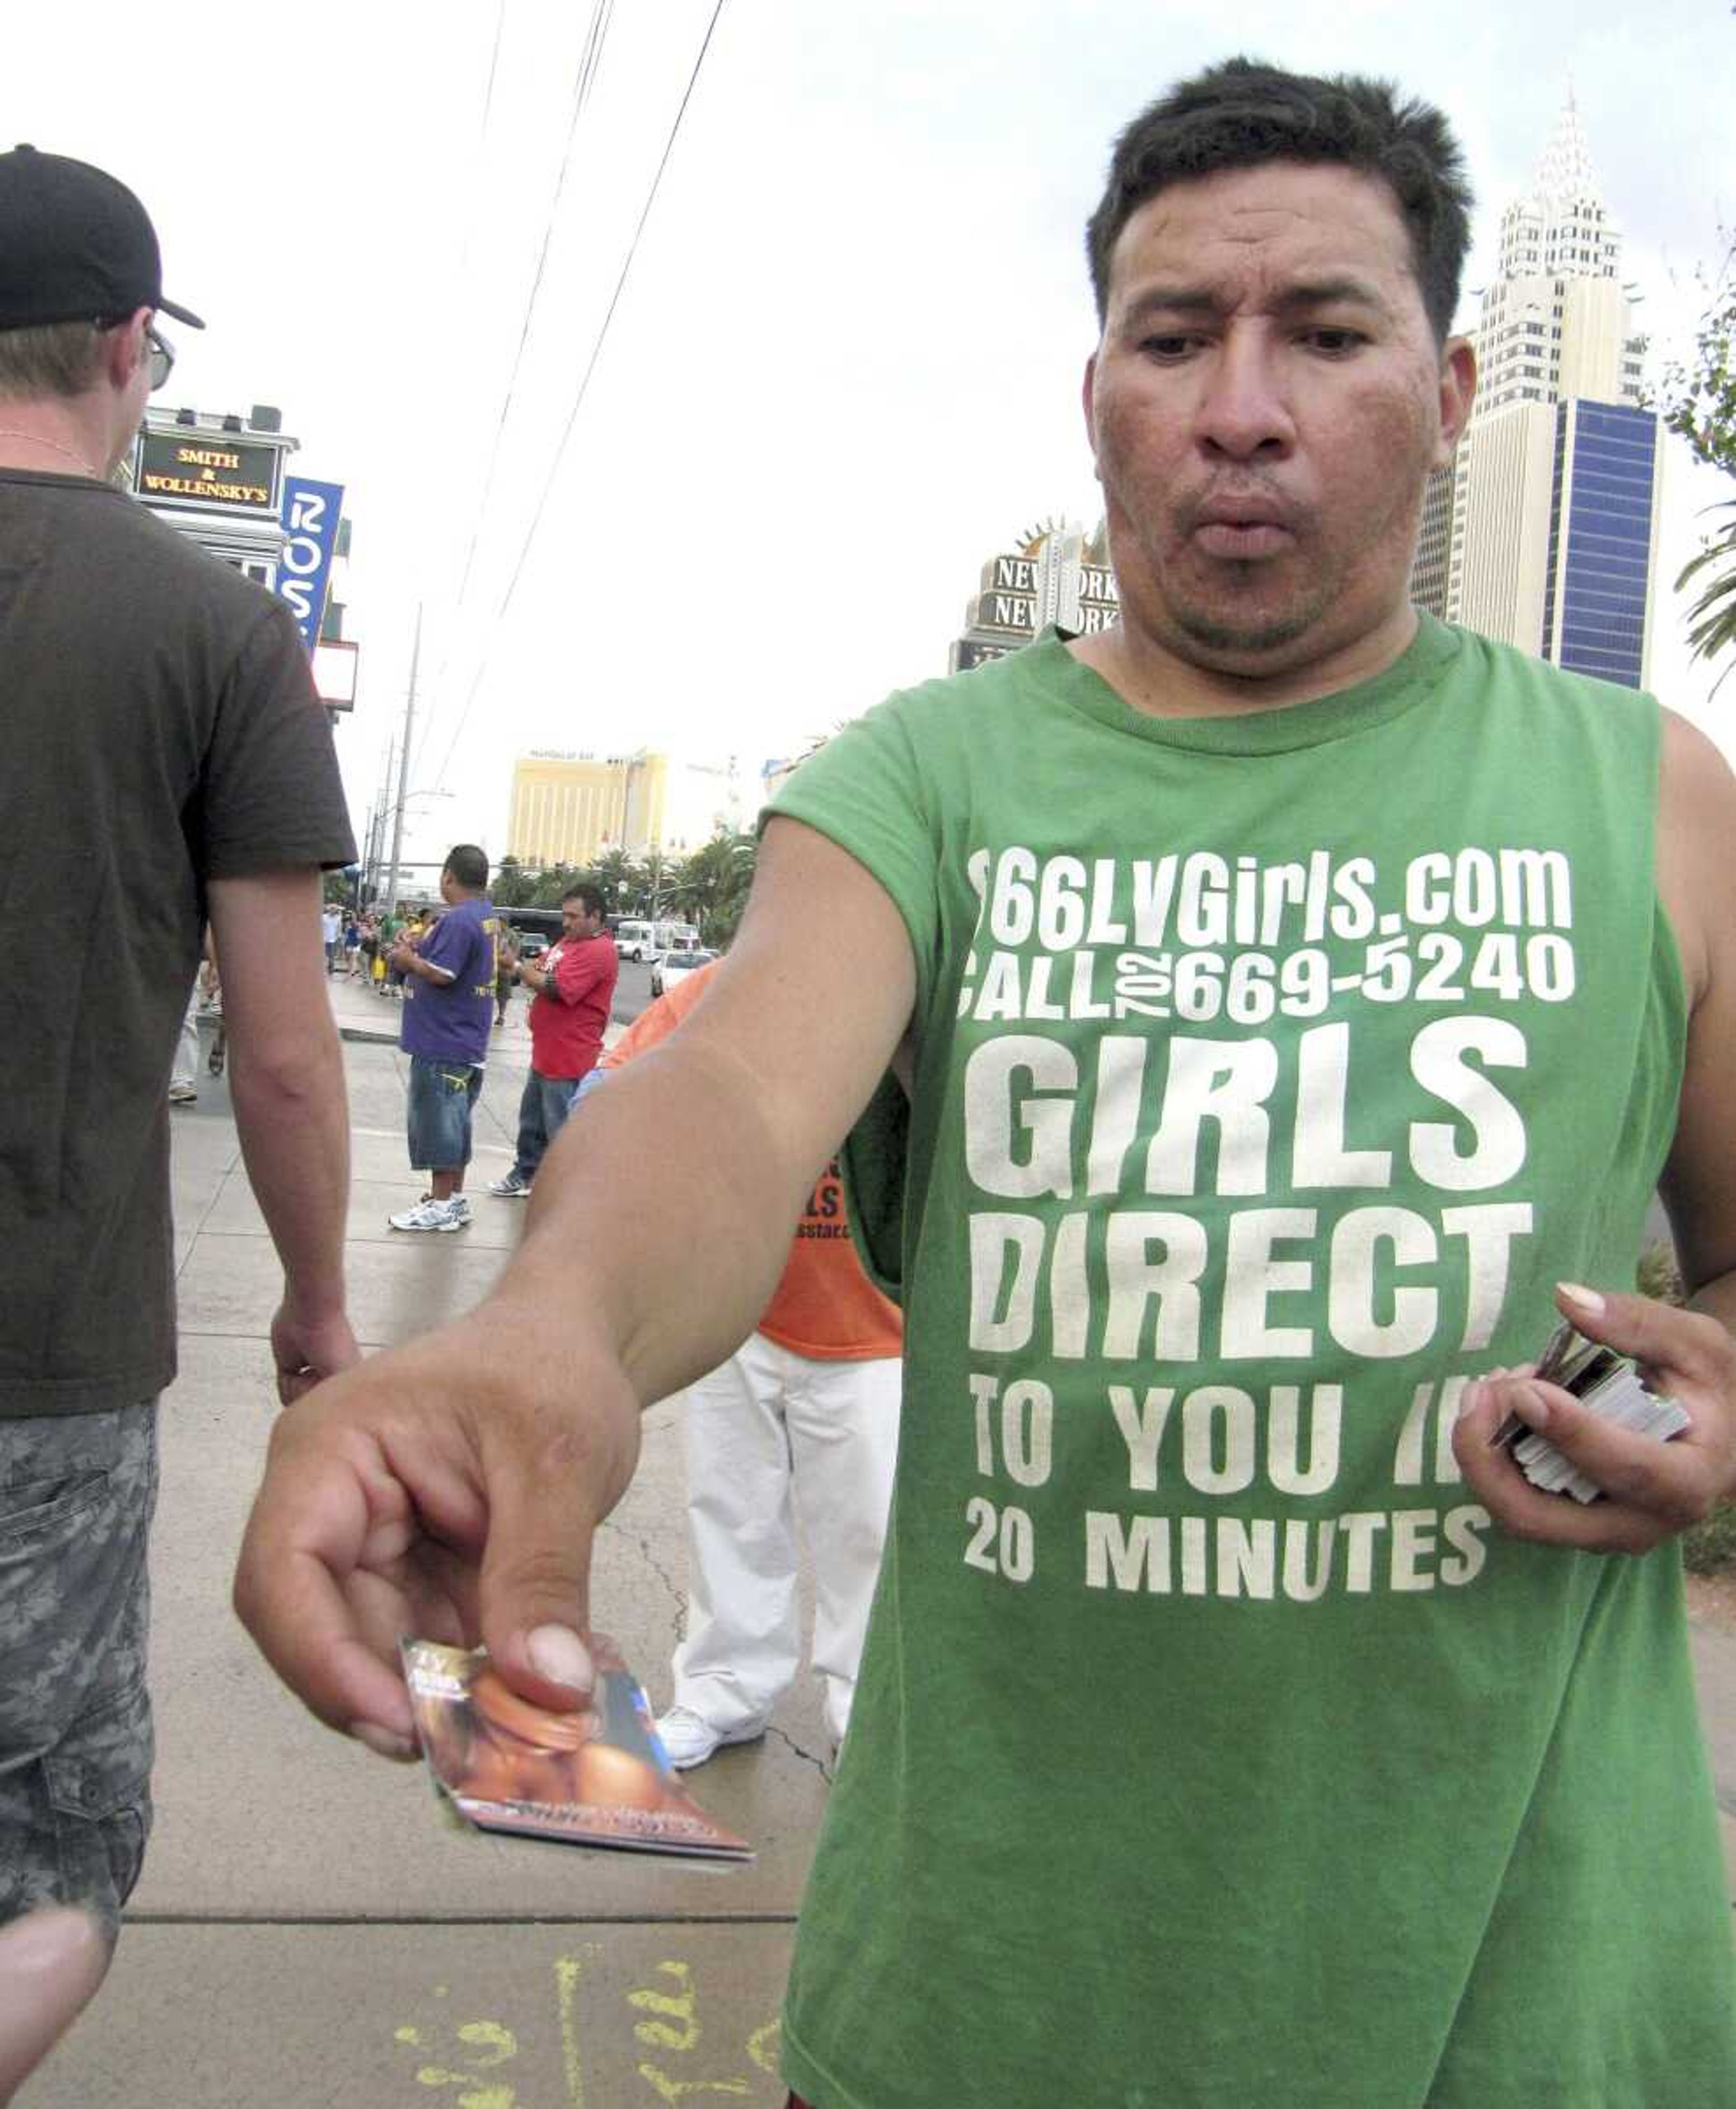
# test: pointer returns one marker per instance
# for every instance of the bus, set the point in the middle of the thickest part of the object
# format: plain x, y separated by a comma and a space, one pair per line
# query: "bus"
639, 937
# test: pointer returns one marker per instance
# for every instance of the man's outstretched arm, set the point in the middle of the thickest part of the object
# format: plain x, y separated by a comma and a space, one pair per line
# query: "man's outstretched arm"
287, 1081
452, 1487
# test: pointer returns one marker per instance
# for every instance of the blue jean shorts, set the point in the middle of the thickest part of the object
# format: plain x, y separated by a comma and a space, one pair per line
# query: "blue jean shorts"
76, 1496
441, 1097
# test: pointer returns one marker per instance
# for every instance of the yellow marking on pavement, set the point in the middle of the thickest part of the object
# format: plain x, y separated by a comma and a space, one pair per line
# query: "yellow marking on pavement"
762, 2045
567, 1972
677, 2090
658, 2033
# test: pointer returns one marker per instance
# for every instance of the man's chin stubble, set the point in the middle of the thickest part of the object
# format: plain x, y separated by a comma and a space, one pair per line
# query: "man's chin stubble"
1244, 639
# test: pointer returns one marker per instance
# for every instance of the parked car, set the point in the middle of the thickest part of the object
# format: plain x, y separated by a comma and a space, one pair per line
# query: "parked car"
532, 944
669, 968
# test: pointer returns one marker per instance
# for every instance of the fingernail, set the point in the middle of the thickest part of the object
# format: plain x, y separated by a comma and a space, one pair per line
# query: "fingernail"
1531, 1407
381, 1741
558, 1653
1588, 1299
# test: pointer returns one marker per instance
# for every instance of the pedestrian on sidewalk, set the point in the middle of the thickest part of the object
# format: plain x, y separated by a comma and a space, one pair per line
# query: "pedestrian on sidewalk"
183, 1077
331, 935
798, 1429
448, 987
574, 986
165, 700
505, 962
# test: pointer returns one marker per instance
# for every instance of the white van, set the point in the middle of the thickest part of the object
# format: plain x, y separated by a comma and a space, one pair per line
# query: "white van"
677, 937
634, 941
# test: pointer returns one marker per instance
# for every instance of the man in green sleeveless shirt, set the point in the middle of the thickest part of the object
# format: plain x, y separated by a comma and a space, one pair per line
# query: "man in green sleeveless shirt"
1293, 998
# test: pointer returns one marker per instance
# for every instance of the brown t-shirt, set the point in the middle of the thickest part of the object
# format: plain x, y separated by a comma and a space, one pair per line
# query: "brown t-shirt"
162, 731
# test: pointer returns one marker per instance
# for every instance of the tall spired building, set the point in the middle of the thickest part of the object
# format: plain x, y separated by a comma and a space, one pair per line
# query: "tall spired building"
1544, 531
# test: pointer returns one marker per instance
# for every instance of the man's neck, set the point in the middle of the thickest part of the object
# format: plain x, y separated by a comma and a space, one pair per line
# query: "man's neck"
61, 437
1150, 678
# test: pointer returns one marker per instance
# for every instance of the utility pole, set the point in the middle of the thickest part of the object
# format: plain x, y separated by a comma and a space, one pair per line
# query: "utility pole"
403, 759
377, 819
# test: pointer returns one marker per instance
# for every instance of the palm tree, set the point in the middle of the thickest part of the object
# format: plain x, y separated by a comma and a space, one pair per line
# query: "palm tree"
712, 884
621, 880
1712, 620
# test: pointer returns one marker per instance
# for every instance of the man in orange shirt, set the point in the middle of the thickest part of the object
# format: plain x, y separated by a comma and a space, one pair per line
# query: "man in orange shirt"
801, 1422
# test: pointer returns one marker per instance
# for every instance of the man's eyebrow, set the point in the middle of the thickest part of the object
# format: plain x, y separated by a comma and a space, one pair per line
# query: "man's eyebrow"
1331, 292
1183, 300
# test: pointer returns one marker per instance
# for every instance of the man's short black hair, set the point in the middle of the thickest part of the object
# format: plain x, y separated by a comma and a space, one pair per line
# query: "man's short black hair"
469, 866
1242, 113
591, 896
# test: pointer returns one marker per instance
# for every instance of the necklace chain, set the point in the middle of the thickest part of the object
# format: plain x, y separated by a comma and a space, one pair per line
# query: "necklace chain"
41, 440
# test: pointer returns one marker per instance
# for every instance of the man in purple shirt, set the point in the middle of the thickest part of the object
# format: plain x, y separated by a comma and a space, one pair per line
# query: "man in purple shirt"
448, 987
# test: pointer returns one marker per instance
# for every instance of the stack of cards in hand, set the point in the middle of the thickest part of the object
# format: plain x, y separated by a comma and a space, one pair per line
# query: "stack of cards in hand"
1609, 1385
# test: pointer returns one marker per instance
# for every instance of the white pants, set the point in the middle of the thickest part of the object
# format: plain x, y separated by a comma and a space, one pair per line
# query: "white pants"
774, 1439
185, 1070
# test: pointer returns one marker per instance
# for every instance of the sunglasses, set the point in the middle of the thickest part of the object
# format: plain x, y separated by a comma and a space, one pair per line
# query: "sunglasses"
162, 356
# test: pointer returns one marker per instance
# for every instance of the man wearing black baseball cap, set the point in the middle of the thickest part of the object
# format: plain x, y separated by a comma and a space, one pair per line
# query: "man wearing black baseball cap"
167, 763
81, 278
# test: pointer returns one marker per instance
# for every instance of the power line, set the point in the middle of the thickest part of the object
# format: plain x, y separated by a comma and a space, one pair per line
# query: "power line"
589, 59
584, 382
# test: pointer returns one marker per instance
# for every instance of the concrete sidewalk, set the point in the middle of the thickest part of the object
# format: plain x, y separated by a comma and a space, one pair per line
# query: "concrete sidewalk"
309, 1929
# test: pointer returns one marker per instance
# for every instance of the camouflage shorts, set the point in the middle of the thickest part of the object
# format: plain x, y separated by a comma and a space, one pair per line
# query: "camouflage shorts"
76, 1496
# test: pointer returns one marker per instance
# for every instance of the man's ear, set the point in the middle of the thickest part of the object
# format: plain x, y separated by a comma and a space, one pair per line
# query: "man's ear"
1087, 398
124, 349
1458, 392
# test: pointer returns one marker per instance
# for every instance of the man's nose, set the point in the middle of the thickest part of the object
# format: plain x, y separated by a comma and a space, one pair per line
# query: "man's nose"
1245, 412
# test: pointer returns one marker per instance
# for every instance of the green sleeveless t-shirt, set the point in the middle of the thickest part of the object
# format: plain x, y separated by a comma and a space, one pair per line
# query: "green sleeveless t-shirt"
1212, 1746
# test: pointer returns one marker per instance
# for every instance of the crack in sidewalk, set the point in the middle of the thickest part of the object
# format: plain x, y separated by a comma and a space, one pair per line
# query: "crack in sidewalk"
823, 1766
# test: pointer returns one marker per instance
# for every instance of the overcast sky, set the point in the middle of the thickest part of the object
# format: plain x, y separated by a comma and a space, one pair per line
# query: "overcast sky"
844, 368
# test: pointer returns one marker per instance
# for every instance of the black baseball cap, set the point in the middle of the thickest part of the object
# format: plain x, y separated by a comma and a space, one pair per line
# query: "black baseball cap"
75, 246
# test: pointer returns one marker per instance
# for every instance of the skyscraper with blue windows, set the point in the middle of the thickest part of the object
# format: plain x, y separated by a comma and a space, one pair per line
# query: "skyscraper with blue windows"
1604, 498
1543, 533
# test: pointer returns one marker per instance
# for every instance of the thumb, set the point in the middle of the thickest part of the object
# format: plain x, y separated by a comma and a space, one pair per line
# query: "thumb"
551, 1480
1679, 1347
534, 1598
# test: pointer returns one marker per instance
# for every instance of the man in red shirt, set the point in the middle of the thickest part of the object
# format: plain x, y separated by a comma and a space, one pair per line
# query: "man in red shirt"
573, 988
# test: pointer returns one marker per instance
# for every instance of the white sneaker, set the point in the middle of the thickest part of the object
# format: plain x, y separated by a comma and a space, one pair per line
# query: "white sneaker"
459, 1206
688, 1739
428, 1215
511, 1188
182, 1094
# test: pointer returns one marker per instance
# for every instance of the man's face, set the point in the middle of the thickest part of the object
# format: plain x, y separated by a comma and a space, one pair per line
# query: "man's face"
576, 921
1264, 406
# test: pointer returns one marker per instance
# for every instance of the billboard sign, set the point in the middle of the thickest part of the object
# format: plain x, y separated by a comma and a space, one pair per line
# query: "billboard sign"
335, 674
186, 465
311, 511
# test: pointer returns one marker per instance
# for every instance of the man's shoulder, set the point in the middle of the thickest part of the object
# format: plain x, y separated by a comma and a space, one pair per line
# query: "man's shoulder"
128, 534
942, 720
1021, 671
1511, 677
